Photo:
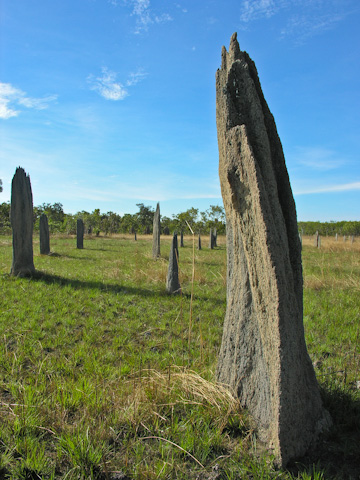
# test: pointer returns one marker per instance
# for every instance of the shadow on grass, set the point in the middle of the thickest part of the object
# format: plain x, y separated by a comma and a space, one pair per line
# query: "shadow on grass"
102, 249
81, 284
51, 279
338, 453
72, 257
79, 250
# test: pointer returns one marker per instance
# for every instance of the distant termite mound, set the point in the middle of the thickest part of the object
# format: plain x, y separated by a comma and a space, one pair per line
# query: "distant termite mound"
22, 224
44, 235
172, 280
156, 233
263, 355
80, 229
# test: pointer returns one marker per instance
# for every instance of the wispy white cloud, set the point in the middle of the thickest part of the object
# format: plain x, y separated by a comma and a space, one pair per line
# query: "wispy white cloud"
107, 86
254, 9
37, 103
344, 187
135, 78
110, 88
164, 17
304, 26
317, 158
143, 14
180, 7
301, 18
141, 10
12, 99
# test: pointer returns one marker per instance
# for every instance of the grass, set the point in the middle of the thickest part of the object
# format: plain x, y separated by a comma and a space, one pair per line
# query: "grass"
98, 379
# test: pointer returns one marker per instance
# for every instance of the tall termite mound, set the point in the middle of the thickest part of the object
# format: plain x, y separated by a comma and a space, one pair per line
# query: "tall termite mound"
263, 355
22, 224
156, 233
44, 235
80, 229
172, 280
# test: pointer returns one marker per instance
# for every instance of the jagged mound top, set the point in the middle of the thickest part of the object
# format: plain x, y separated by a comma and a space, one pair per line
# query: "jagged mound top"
234, 52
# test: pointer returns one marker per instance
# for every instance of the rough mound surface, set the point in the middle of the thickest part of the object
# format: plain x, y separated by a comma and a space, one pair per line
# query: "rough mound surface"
44, 235
22, 224
80, 229
172, 280
263, 354
156, 233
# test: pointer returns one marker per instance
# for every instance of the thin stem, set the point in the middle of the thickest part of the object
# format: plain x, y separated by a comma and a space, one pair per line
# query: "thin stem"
175, 445
192, 286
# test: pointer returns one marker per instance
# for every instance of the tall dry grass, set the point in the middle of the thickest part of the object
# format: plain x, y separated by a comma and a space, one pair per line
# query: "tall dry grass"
335, 264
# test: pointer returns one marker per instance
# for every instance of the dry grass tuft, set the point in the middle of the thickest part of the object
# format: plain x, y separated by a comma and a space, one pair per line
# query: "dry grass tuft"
152, 390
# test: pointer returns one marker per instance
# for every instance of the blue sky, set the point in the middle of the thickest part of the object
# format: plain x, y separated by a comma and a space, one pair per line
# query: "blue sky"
110, 103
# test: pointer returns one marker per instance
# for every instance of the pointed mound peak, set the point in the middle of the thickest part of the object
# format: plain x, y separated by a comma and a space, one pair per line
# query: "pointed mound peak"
234, 49
223, 58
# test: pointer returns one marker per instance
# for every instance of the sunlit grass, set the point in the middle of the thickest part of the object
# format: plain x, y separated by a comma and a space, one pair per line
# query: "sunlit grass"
97, 376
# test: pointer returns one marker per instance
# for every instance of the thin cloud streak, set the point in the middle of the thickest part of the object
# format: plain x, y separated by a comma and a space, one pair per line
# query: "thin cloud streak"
127, 192
346, 187
317, 158
47, 171
12, 99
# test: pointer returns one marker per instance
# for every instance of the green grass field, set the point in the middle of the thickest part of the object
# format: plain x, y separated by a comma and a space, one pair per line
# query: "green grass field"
105, 376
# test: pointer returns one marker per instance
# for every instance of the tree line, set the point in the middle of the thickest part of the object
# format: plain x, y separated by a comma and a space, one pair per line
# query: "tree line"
142, 221
330, 228
108, 223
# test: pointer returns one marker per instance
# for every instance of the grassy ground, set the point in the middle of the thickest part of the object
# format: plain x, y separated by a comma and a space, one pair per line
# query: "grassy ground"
105, 376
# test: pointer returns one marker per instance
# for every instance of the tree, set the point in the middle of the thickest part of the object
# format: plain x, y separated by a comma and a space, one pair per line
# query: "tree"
181, 220
1, 188
214, 217
94, 221
5, 226
110, 222
166, 224
69, 224
145, 217
216, 213
55, 214
129, 223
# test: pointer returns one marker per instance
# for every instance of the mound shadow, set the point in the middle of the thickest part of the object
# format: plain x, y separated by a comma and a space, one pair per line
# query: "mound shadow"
51, 279
72, 257
337, 453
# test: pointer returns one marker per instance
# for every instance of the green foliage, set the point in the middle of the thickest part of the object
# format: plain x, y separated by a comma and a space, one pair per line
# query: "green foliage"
128, 223
180, 222
111, 223
93, 220
55, 215
5, 225
144, 219
69, 224
330, 228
